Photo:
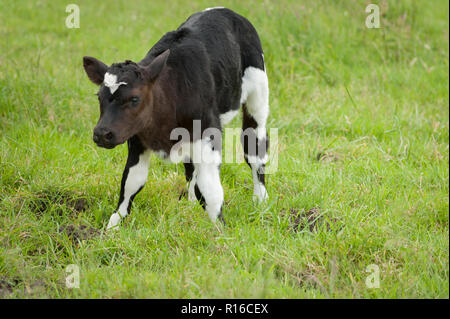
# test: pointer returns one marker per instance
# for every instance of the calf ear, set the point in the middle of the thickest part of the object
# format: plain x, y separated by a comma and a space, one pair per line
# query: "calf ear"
95, 69
155, 68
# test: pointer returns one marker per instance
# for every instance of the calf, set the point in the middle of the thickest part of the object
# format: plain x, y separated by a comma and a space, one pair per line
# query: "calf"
200, 73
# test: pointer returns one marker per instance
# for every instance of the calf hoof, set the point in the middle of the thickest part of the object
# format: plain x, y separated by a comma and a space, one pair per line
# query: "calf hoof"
220, 217
114, 222
260, 198
183, 193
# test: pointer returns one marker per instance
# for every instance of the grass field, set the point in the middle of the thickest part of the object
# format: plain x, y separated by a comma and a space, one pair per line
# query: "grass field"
362, 175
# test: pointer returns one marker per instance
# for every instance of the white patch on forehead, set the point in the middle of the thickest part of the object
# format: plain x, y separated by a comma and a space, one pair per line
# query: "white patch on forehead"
110, 81
207, 9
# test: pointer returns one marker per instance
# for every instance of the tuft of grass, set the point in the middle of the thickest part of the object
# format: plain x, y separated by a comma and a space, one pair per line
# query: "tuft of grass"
362, 173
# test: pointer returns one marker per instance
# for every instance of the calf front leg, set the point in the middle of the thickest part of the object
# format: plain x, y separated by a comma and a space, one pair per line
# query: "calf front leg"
205, 183
133, 179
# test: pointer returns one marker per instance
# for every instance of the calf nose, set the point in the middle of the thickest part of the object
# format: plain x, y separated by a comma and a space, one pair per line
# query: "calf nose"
102, 135
108, 136
96, 138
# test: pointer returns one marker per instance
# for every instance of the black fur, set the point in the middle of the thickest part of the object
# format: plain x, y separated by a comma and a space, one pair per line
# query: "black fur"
208, 55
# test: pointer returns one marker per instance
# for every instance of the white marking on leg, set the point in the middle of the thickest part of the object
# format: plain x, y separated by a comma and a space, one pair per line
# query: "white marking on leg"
226, 118
207, 9
114, 221
110, 81
202, 156
259, 190
255, 95
208, 178
256, 163
136, 178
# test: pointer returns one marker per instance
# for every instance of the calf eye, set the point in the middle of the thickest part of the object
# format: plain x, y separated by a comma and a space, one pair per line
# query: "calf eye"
134, 100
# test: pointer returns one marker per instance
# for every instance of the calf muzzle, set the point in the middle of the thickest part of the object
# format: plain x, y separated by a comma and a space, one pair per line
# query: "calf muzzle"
104, 137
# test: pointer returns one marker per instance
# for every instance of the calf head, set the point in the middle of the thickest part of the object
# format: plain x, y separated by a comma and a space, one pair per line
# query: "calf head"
125, 97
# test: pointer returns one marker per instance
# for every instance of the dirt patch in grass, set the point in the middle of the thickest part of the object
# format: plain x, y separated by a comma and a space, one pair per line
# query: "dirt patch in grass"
182, 192
60, 201
307, 276
35, 252
327, 157
79, 233
36, 288
311, 219
7, 286
33, 289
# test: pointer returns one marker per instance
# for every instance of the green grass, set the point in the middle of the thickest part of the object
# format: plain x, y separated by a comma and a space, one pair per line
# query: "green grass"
375, 100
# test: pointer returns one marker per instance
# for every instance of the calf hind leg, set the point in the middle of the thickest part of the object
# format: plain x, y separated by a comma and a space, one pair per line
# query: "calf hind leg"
255, 100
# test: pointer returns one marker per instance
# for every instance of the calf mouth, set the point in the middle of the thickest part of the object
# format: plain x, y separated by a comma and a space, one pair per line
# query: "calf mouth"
107, 145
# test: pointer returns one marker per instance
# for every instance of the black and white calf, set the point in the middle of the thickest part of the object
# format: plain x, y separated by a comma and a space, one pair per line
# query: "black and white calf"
200, 73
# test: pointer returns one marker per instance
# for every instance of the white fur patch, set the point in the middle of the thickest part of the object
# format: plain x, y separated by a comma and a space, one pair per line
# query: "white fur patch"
137, 176
259, 190
208, 179
257, 160
207, 9
110, 81
255, 93
114, 221
203, 153
261, 132
227, 117
206, 174
199, 152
